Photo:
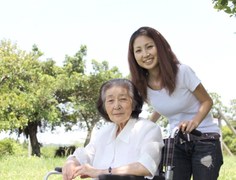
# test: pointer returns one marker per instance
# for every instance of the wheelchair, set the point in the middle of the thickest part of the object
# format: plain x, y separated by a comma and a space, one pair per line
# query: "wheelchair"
165, 167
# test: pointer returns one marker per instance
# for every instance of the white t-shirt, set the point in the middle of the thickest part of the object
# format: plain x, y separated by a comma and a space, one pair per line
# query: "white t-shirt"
181, 104
139, 141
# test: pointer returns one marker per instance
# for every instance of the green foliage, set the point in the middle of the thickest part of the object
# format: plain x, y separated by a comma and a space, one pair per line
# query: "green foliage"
35, 93
232, 145
76, 64
217, 105
27, 92
10, 147
228, 114
228, 6
232, 111
86, 94
229, 139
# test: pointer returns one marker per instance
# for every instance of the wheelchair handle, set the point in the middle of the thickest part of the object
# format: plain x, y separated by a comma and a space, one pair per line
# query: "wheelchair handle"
58, 169
196, 132
176, 130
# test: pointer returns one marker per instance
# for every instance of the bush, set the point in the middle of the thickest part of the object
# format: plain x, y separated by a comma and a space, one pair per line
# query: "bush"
10, 146
232, 146
229, 139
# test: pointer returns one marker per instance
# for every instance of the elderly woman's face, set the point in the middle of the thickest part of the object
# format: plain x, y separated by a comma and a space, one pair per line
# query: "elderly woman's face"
118, 104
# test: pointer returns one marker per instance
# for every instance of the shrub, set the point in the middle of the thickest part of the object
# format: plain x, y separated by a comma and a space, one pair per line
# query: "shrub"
232, 146
10, 146
229, 139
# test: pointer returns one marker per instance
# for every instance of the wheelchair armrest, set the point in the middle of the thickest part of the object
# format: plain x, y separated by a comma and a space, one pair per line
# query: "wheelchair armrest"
57, 170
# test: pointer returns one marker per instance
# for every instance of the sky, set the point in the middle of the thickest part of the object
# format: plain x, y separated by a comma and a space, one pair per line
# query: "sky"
200, 36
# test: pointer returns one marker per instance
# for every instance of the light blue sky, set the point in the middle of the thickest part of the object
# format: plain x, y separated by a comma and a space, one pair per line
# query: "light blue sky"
199, 35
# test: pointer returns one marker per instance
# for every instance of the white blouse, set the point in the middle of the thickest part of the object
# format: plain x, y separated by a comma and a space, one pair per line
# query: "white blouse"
139, 141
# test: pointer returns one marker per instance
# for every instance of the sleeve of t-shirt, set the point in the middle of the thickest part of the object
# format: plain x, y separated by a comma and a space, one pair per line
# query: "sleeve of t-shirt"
191, 81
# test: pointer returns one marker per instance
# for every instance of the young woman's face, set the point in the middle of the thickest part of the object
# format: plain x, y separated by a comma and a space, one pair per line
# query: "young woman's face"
118, 105
145, 52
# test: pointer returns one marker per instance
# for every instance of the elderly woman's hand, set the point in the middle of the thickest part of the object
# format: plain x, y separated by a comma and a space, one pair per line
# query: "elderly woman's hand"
70, 169
86, 170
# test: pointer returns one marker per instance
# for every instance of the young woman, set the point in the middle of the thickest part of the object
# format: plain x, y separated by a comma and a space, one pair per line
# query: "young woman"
174, 91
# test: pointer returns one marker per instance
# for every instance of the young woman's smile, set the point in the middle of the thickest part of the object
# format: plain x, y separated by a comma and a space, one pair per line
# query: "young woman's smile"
145, 52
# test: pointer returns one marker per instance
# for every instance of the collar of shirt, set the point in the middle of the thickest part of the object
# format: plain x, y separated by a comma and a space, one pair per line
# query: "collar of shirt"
124, 135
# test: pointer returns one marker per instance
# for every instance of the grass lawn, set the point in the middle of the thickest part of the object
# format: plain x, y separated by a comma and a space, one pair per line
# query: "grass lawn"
34, 168
228, 170
24, 168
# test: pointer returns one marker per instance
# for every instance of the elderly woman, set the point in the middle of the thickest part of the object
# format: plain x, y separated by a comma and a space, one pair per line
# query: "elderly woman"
126, 145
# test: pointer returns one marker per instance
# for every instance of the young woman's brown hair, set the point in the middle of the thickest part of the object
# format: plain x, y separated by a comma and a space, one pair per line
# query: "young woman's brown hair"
167, 62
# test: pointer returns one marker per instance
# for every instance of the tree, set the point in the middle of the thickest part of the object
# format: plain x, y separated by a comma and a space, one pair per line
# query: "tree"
36, 94
83, 99
27, 92
228, 6
86, 99
233, 110
226, 114
217, 105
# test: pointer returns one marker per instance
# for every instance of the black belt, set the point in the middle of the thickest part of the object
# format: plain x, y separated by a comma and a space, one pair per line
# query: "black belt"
204, 136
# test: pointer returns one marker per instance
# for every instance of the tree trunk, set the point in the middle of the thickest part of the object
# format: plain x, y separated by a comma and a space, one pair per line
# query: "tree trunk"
32, 127
87, 137
89, 133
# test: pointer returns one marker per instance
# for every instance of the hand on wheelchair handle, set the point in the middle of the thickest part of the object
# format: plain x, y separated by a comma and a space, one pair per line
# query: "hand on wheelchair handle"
189, 136
194, 132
